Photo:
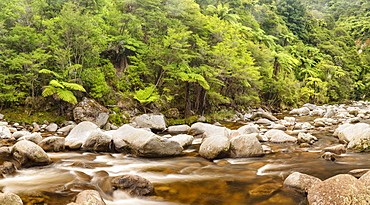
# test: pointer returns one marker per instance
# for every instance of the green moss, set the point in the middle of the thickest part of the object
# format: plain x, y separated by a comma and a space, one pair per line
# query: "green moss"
22, 116
117, 119
189, 121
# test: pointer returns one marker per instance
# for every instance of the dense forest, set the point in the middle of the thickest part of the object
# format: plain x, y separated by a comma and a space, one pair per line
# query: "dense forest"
194, 55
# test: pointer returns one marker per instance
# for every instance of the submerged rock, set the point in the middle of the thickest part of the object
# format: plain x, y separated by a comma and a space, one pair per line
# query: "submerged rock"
10, 199
133, 184
89, 197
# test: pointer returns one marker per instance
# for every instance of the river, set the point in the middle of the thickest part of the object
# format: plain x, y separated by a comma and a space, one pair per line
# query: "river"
186, 179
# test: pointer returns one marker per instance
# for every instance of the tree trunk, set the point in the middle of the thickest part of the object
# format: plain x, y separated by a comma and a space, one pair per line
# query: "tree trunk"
187, 100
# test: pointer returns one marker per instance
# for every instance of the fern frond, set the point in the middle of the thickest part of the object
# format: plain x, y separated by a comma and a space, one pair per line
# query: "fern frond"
50, 72
67, 96
55, 83
73, 86
48, 90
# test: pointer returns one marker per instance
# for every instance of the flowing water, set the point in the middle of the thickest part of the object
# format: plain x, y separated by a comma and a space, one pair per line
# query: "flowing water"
186, 179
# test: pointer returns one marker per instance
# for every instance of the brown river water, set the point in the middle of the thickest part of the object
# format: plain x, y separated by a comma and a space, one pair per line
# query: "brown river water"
186, 179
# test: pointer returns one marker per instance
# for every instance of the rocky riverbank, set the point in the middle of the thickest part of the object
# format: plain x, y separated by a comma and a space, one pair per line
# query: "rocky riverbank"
147, 136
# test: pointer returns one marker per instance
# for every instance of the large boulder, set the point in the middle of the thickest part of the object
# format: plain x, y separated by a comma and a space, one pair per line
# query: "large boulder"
248, 129
19, 134
178, 129
340, 189
361, 141
52, 144
133, 184
52, 127
151, 121
79, 134
300, 182
98, 141
10, 199
263, 114
300, 111
183, 140
89, 197
349, 132
34, 137
279, 136
144, 143
246, 145
29, 154
5, 132
90, 110
214, 147
206, 130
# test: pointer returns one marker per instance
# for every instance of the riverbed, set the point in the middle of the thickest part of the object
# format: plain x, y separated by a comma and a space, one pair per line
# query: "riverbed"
188, 178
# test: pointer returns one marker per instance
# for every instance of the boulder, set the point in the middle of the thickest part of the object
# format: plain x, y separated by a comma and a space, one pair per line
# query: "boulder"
214, 147
340, 189
362, 141
178, 129
52, 127
353, 131
90, 110
7, 168
10, 199
52, 144
89, 197
5, 132
264, 121
279, 136
246, 145
206, 130
133, 184
329, 156
19, 134
306, 138
300, 182
144, 143
151, 121
337, 149
365, 178
34, 137
330, 112
263, 114
310, 106
79, 134
183, 140
300, 111
98, 141
358, 172
65, 130
29, 154
248, 129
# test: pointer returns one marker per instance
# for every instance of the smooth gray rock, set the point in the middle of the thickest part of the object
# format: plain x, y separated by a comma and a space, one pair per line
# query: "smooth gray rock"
337, 149
144, 143
52, 127
183, 140
263, 114
89, 197
29, 154
340, 189
300, 111
178, 129
214, 147
10, 199
66, 130
300, 182
206, 130
248, 129
5, 132
90, 110
19, 134
352, 131
306, 138
279, 136
246, 145
34, 137
52, 144
151, 121
98, 141
79, 134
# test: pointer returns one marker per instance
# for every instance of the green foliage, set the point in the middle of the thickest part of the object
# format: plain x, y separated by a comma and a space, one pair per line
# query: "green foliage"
147, 95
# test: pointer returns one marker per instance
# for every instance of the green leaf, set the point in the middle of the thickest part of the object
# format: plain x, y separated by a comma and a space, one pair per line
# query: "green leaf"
50, 72
147, 95
55, 83
48, 90
67, 96
73, 86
